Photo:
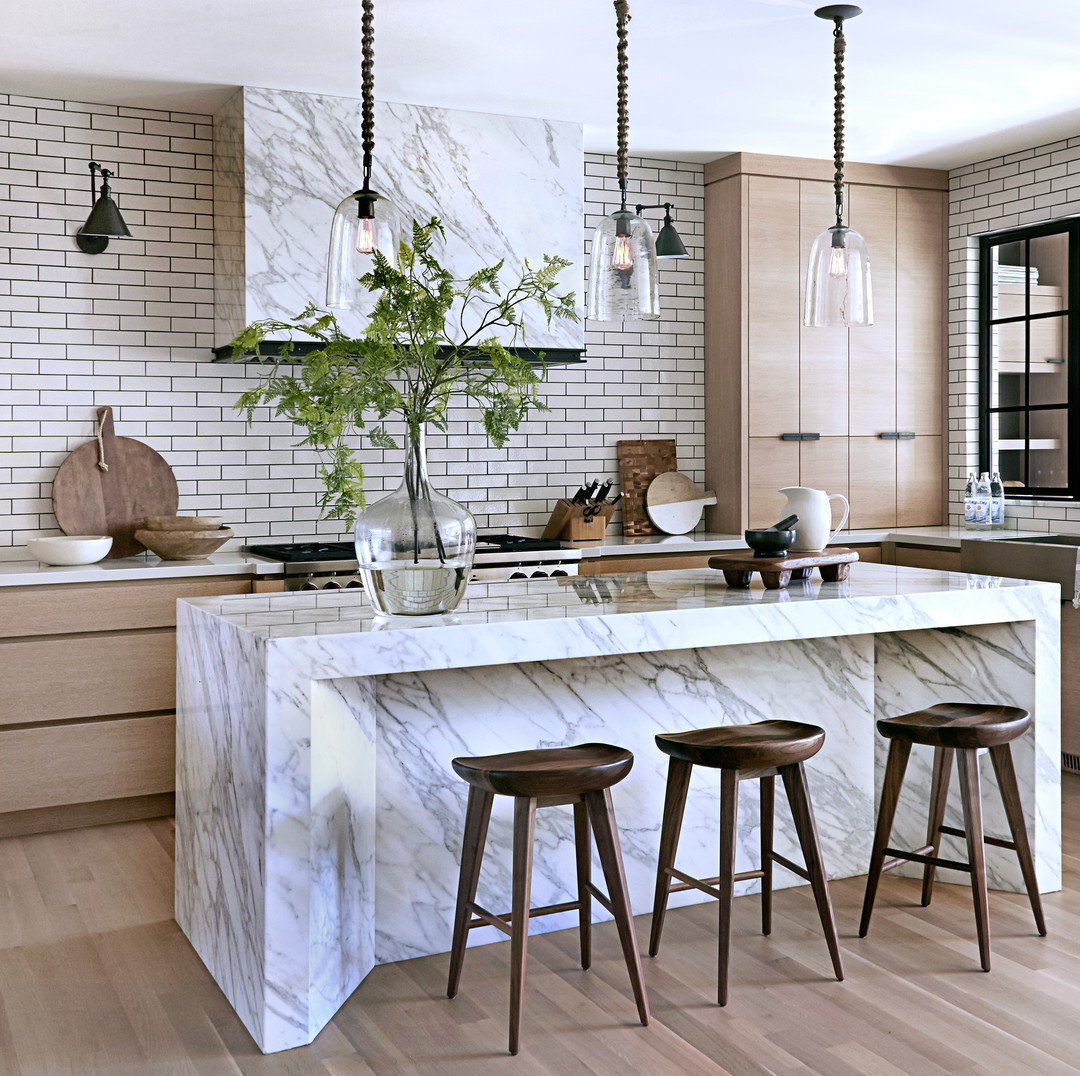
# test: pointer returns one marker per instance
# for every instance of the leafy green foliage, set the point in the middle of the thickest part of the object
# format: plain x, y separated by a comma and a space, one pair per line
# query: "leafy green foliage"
407, 363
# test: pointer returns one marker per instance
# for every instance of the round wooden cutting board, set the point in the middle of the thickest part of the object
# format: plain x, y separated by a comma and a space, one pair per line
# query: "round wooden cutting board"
674, 503
137, 484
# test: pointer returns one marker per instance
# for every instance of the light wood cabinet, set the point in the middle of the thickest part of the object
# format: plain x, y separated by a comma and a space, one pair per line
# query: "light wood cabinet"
87, 724
855, 411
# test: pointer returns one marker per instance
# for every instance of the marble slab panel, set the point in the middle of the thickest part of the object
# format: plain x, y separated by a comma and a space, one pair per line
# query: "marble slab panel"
505, 187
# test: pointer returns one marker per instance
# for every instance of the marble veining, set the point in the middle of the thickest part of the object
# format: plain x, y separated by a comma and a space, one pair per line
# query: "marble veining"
319, 822
505, 187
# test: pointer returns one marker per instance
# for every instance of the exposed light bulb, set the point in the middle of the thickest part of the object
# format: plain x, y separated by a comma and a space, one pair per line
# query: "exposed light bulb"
838, 262
621, 256
365, 238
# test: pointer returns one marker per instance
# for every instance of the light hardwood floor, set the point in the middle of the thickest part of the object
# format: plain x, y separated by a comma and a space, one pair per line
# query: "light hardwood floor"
95, 977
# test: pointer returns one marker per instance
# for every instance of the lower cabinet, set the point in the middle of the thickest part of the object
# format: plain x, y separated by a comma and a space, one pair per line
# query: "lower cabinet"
87, 723
921, 556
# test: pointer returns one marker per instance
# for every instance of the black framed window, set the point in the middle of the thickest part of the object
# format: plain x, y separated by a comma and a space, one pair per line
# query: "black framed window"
1029, 374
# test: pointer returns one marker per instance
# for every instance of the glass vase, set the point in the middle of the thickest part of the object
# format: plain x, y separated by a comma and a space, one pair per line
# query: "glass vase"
415, 547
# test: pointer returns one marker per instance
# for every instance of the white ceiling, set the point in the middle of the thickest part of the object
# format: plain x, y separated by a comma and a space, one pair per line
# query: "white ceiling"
933, 82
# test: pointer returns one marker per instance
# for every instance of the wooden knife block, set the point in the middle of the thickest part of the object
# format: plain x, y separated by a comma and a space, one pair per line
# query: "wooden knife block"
577, 522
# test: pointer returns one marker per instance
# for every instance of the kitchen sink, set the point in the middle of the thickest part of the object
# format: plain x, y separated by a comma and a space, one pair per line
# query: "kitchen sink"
1051, 558
1048, 539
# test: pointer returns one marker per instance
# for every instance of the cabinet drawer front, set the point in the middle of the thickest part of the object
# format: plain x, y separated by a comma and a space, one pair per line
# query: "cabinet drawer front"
60, 609
86, 762
942, 560
86, 676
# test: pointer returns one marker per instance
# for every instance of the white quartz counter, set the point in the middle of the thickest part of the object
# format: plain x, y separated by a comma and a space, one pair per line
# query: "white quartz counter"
23, 573
704, 541
319, 820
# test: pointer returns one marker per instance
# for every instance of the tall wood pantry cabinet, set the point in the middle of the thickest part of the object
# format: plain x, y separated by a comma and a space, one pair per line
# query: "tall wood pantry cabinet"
857, 411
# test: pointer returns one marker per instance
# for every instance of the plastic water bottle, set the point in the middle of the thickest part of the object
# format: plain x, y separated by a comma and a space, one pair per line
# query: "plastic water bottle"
997, 506
983, 501
969, 501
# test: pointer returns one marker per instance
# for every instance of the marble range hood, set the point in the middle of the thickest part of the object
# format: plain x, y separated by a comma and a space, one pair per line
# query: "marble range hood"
503, 186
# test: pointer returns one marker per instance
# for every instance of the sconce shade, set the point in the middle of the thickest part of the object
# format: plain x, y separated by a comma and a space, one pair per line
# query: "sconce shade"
363, 223
105, 219
623, 281
669, 243
838, 280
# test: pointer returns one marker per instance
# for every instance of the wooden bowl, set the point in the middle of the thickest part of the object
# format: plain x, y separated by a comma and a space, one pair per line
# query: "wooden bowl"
182, 523
184, 545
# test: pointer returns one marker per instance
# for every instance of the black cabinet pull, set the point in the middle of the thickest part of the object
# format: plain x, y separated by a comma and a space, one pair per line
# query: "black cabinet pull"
897, 435
800, 437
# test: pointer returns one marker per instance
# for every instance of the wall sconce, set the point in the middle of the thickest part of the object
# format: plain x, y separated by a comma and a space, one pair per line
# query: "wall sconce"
669, 243
104, 222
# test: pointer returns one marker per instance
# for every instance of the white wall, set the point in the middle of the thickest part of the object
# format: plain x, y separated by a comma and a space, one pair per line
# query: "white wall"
133, 327
1026, 187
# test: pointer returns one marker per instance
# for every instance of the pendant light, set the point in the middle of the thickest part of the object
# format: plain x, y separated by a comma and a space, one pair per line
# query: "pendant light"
365, 221
623, 280
105, 221
838, 274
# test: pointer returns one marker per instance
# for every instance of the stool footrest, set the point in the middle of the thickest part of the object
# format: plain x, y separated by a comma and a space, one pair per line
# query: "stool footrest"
604, 899
708, 885
919, 857
502, 922
997, 842
802, 872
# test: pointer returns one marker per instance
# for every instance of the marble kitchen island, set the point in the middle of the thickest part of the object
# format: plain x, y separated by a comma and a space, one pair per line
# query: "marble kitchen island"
319, 823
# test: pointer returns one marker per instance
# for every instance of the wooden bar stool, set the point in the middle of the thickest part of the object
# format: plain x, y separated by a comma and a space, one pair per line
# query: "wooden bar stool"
756, 751
950, 728
582, 776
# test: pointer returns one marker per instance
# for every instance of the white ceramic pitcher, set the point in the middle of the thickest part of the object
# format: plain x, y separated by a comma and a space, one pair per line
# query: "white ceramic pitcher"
814, 509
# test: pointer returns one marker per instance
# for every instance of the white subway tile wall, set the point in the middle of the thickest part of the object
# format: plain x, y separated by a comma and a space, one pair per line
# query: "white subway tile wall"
1026, 187
133, 328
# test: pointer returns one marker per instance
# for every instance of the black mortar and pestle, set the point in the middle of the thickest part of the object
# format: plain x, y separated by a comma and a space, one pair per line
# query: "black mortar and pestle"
772, 541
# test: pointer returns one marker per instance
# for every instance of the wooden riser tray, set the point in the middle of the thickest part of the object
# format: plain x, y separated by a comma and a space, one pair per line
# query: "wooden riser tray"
739, 566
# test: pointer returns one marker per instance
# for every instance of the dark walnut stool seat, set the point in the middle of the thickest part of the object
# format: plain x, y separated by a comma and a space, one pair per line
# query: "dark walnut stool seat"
581, 776
960, 729
759, 751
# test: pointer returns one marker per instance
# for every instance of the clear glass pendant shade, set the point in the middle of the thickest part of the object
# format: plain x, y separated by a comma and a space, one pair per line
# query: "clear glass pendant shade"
415, 547
623, 281
362, 225
838, 280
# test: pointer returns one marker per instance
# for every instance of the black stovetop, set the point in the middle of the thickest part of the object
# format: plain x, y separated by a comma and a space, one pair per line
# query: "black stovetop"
294, 552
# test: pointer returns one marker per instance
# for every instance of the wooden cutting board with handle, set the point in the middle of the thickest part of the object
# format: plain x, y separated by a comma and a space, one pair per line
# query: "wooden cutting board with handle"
110, 485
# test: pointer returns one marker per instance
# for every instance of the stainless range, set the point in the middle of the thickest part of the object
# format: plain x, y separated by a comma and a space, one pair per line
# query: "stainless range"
333, 565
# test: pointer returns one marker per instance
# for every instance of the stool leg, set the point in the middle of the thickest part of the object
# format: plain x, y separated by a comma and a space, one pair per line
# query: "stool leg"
606, 833
899, 750
1001, 757
767, 794
524, 824
970, 795
729, 811
477, 814
939, 795
803, 813
583, 849
678, 782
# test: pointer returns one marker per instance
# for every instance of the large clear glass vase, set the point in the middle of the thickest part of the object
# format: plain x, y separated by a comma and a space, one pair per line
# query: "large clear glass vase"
415, 547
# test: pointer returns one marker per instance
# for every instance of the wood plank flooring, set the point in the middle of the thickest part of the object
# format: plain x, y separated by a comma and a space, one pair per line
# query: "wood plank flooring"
96, 978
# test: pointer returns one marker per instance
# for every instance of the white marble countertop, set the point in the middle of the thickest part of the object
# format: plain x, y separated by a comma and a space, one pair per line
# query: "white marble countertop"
596, 612
21, 573
704, 541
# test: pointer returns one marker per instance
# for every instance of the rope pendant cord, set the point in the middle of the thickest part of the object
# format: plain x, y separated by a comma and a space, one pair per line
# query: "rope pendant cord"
839, 45
367, 82
622, 19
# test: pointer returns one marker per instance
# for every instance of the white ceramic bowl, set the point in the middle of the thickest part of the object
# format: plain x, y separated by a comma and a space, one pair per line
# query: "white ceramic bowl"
70, 549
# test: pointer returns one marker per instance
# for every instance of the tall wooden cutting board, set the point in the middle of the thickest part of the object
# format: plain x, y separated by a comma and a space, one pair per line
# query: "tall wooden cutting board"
639, 463
137, 484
